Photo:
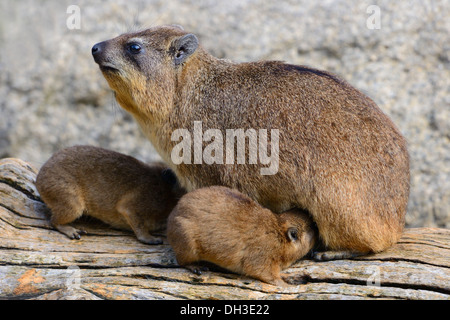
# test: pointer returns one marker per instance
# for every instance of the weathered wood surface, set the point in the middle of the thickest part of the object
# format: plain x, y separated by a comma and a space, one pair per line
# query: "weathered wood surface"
37, 262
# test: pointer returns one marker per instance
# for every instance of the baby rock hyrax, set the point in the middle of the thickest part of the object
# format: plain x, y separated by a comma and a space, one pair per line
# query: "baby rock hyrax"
337, 154
225, 227
112, 187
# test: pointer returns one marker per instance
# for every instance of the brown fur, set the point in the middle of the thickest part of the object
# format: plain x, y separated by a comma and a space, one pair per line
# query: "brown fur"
112, 187
223, 226
340, 156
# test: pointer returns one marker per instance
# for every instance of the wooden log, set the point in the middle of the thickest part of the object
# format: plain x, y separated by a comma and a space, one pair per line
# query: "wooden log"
37, 262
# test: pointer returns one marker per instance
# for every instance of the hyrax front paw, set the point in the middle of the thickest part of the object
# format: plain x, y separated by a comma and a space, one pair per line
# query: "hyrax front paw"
335, 255
197, 269
150, 239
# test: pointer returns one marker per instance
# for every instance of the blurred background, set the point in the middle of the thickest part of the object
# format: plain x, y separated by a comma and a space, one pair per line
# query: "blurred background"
52, 94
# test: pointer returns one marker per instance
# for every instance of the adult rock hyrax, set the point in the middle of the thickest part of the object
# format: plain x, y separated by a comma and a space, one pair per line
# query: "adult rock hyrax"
340, 157
225, 227
112, 187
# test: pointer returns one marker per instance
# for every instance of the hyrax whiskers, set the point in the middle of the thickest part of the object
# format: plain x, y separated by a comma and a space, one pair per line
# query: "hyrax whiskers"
225, 227
112, 187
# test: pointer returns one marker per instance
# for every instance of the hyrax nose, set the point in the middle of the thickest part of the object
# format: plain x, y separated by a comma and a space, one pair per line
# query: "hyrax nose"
97, 50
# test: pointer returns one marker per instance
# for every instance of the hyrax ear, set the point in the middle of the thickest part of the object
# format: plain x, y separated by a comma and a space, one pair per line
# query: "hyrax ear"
169, 176
183, 47
292, 234
177, 26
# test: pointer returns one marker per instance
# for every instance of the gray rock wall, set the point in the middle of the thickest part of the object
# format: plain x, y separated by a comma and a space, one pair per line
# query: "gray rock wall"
52, 94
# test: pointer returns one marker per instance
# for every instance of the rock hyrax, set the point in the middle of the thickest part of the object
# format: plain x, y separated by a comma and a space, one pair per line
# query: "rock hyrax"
112, 187
340, 157
225, 227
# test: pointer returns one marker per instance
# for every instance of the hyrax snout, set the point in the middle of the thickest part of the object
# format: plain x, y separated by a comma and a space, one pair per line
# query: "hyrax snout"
225, 227
112, 187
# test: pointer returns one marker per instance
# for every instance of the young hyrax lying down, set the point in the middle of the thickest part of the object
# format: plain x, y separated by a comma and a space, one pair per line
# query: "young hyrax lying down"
225, 227
112, 187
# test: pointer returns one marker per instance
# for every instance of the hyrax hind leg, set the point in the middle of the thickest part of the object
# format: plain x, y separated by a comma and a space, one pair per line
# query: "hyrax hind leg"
270, 275
353, 231
64, 212
322, 253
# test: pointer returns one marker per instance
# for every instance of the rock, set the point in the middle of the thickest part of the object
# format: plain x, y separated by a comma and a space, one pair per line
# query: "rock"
52, 94
39, 263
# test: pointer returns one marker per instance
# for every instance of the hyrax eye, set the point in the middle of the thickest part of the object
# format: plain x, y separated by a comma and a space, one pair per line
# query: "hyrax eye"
292, 234
134, 48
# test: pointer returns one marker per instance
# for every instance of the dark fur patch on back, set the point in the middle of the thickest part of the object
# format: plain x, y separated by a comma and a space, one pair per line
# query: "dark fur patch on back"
303, 69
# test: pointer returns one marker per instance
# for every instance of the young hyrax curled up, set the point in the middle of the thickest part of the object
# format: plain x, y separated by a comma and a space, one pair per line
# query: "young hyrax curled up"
112, 187
332, 151
225, 227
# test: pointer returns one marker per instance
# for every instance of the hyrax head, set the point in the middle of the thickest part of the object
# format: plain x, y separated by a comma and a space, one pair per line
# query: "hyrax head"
300, 234
142, 67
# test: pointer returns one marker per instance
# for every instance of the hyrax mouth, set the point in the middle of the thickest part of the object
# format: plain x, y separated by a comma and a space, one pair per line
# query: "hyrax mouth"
107, 67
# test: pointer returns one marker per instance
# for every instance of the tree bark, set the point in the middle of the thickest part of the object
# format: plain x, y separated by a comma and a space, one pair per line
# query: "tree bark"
37, 262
